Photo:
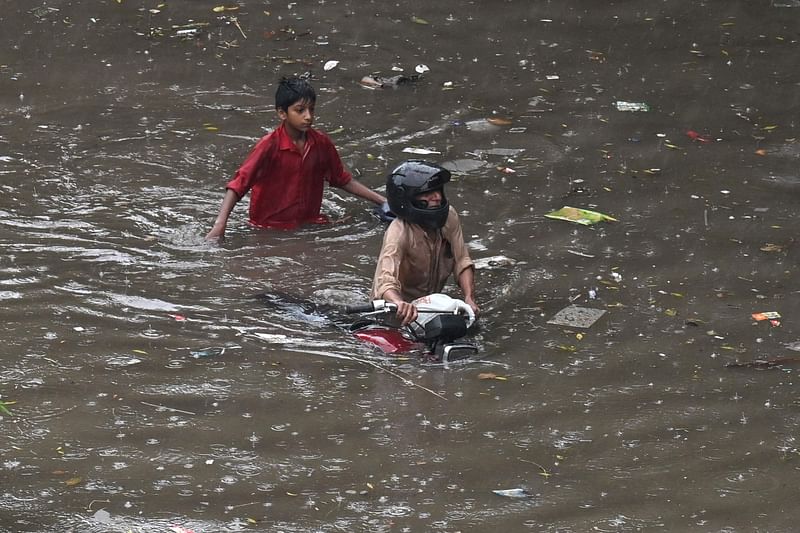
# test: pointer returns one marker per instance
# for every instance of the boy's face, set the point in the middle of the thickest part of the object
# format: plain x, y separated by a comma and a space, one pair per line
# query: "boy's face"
299, 116
428, 200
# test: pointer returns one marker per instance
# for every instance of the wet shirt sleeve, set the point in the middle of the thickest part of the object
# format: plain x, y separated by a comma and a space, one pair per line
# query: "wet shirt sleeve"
251, 169
387, 271
336, 174
454, 234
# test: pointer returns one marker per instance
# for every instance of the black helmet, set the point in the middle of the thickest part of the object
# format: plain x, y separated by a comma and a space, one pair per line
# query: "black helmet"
411, 178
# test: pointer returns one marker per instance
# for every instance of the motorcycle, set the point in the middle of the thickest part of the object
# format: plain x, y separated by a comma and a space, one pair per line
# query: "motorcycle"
437, 332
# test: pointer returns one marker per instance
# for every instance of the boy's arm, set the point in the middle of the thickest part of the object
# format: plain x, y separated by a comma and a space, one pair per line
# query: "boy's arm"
228, 203
357, 188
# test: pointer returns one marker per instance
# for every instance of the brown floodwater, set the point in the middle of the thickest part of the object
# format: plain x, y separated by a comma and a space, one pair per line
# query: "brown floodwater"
150, 389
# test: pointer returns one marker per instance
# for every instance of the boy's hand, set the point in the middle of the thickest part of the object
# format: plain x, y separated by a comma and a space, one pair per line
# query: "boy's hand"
217, 233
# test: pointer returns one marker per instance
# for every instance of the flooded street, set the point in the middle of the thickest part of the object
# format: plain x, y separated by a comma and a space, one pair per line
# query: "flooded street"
147, 385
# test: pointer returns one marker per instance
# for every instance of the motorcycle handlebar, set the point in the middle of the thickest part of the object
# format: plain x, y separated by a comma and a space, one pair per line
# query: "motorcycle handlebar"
360, 308
373, 306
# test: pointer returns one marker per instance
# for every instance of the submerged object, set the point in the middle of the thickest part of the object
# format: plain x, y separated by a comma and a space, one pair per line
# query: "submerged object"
381, 82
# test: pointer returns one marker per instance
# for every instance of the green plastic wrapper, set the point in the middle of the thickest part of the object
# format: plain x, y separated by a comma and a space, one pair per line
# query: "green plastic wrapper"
580, 216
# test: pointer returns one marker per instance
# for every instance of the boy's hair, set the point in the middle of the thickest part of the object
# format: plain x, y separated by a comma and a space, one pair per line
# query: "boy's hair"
291, 90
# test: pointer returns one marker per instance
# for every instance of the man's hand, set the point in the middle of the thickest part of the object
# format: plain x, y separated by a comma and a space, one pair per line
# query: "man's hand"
406, 312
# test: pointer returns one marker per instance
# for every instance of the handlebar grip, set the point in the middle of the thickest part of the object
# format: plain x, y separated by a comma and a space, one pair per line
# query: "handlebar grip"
360, 308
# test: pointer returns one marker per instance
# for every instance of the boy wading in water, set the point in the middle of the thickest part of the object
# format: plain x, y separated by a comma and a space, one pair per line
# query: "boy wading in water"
286, 171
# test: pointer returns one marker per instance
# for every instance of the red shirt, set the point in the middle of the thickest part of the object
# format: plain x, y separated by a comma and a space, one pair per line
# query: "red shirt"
286, 185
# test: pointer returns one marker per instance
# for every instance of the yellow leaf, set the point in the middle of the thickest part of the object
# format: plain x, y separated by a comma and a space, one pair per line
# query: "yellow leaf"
671, 146
369, 486
770, 128
417, 20
579, 336
670, 312
218, 9
211, 128
71, 482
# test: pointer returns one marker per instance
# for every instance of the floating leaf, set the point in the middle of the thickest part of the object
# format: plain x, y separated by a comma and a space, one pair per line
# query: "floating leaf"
71, 482
222, 9
417, 20
500, 121
769, 247
4, 409
670, 312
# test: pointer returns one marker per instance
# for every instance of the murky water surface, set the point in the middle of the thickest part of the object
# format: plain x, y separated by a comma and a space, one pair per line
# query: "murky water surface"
152, 390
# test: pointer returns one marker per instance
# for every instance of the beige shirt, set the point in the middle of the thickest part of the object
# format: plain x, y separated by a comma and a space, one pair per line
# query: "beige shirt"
416, 262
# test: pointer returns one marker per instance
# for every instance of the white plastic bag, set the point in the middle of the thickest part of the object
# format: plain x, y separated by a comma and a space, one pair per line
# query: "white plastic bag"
435, 304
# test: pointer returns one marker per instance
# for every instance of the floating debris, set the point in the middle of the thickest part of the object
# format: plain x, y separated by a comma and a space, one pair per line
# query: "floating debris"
381, 82
207, 352
584, 217
495, 261
764, 363
420, 151
513, 493
577, 317
621, 105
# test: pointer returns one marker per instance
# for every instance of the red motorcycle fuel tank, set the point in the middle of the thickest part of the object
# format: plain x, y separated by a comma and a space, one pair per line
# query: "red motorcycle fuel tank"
389, 340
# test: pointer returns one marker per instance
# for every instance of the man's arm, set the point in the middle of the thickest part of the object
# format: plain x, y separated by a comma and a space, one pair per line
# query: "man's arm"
228, 203
466, 280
